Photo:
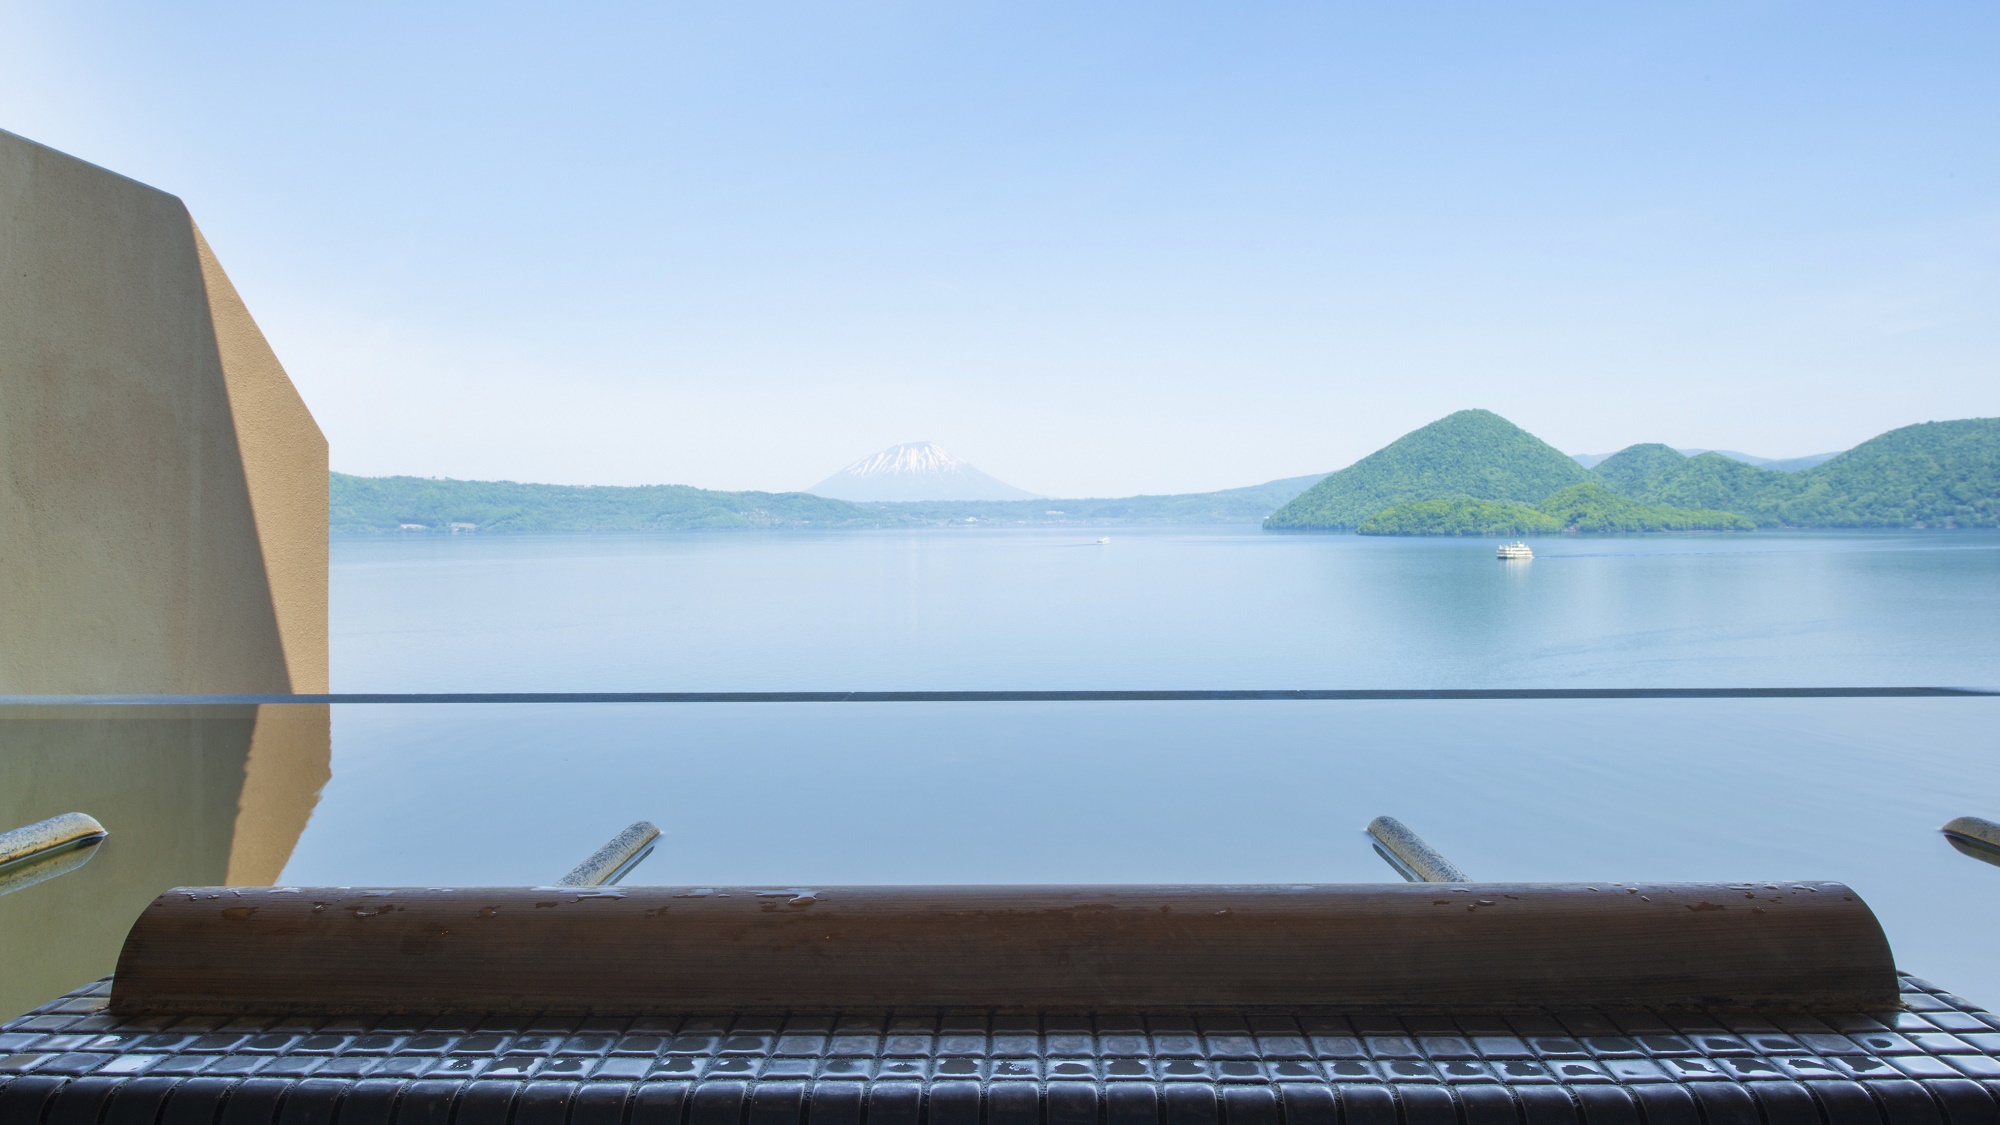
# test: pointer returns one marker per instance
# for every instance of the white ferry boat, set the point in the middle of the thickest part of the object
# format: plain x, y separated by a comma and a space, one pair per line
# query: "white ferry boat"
1515, 551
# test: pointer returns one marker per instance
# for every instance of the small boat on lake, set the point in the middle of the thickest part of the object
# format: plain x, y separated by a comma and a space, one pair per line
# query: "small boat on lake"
1516, 550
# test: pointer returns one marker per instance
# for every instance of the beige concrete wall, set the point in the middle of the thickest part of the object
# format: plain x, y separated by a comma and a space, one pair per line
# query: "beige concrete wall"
163, 488
285, 470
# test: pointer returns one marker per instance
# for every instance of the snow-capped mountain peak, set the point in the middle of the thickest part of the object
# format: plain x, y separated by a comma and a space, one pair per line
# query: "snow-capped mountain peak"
910, 457
918, 470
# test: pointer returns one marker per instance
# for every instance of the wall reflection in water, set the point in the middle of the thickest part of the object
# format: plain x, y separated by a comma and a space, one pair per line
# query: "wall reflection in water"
190, 796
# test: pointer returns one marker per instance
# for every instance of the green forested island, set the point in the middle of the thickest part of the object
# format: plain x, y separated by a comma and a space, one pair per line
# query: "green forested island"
1470, 455
1475, 473
1470, 473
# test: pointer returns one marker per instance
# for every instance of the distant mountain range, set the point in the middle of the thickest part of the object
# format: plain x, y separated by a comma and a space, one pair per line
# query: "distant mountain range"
1781, 464
916, 471
1474, 472
1231, 505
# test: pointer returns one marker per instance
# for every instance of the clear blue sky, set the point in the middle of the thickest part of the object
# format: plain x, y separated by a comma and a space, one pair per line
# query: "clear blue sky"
1092, 248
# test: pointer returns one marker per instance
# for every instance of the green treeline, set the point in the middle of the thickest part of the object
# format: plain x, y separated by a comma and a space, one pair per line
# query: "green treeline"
1459, 516
365, 505
1593, 507
1475, 473
1580, 507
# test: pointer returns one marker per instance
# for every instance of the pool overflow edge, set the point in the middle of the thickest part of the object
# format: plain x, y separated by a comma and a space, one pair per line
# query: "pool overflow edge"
1223, 695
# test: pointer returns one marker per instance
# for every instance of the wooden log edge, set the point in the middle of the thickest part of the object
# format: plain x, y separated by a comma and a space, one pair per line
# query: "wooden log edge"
662, 950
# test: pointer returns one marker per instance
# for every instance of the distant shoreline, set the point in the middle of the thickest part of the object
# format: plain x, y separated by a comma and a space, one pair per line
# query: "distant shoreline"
1472, 473
376, 506
1113, 528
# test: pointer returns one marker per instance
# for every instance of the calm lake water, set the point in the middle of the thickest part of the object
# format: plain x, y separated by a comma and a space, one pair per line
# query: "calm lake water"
1176, 608
797, 794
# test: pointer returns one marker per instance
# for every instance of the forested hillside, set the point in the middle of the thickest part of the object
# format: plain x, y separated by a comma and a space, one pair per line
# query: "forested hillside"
1934, 474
